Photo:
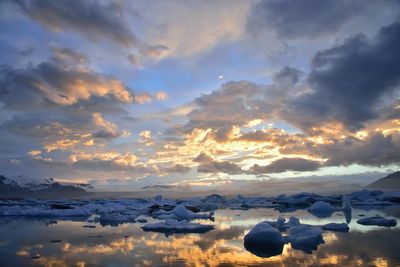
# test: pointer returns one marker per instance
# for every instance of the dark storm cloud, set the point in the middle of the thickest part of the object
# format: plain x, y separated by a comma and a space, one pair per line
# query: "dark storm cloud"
286, 164
90, 18
350, 81
376, 150
288, 75
219, 166
301, 18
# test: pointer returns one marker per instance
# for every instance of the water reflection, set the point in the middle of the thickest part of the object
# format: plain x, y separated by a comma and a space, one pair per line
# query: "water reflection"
127, 245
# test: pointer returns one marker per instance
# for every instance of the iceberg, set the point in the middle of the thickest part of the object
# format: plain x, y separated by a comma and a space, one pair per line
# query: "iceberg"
174, 226
305, 237
336, 227
346, 208
181, 213
321, 209
264, 240
378, 221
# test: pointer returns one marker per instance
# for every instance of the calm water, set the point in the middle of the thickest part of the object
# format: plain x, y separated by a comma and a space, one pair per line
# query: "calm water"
127, 245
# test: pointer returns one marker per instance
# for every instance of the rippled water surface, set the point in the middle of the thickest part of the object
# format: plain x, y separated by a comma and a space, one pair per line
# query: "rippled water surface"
48, 242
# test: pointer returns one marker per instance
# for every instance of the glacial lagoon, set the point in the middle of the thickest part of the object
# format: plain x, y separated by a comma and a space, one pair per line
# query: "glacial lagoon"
44, 239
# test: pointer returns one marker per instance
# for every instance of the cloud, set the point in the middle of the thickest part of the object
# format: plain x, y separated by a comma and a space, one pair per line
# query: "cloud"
177, 168
155, 51
286, 164
203, 158
92, 18
134, 60
161, 96
376, 150
67, 54
231, 105
350, 81
108, 129
50, 82
219, 167
291, 19
195, 27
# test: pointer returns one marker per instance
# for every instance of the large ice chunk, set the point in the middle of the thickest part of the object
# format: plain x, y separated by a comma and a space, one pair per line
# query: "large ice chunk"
321, 209
264, 240
305, 237
378, 221
182, 213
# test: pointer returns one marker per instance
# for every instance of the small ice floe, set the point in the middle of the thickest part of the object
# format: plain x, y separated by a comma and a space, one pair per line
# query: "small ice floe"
181, 213
336, 227
264, 240
305, 237
321, 209
116, 218
41, 211
254, 202
174, 226
378, 221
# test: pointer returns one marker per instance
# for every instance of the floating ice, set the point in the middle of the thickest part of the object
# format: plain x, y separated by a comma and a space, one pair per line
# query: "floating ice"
264, 240
378, 221
321, 209
305, 237
346, 208
173, 226
116, 218
181, 213
336, 227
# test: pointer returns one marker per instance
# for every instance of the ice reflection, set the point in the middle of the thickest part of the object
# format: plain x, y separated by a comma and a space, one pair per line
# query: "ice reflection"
127, 245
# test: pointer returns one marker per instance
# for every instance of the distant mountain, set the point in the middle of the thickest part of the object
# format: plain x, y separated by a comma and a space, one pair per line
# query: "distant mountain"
392, 181
49, 189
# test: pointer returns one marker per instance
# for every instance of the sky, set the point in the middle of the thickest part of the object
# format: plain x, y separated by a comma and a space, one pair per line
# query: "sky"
133, 94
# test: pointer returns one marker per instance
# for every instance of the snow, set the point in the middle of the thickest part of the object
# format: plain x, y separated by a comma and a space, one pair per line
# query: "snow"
378, 221
264, 240
321, 209
174, 226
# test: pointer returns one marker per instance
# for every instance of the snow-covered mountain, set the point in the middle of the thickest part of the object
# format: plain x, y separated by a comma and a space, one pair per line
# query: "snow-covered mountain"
46, 188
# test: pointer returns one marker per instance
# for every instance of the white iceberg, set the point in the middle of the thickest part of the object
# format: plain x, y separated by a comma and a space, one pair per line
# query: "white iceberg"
181, 213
